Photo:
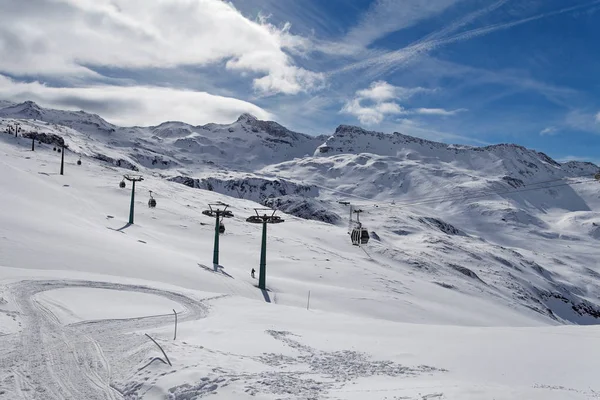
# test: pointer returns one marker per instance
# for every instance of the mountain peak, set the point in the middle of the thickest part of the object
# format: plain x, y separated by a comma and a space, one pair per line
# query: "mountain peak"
343, 129
247, 117
30, 103
27, 109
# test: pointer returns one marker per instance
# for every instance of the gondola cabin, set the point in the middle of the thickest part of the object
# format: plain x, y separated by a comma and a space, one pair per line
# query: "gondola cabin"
152, 201
359, 236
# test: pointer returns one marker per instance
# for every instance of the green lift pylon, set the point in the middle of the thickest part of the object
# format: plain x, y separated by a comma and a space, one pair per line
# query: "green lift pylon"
62, 159
134, 179
218, 214
264, 220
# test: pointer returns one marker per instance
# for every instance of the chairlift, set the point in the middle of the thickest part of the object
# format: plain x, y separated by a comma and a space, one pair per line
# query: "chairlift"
152, 201
79, 161
122, 184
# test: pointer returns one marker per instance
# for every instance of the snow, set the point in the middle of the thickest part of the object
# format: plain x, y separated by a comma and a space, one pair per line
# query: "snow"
461, 298
84, 304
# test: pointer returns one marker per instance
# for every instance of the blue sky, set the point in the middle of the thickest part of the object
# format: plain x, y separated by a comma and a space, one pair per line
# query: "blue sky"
462, 71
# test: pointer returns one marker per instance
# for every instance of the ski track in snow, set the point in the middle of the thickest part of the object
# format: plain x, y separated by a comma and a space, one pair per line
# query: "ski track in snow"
50, 361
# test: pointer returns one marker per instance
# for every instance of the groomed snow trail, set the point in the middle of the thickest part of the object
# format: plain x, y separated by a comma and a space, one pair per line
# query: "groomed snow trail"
48, 360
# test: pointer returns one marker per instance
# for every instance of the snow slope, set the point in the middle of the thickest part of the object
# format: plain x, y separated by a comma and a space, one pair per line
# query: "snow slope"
461, 298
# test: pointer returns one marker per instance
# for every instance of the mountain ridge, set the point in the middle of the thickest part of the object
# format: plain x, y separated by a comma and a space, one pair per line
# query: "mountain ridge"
339, 142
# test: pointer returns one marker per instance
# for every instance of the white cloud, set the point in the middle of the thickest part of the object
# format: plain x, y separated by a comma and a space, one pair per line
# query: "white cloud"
134, 105
438, 111
382, 97
371, 115
598, 118
58, 37
382, 91
583, 121
549, 131
378, 91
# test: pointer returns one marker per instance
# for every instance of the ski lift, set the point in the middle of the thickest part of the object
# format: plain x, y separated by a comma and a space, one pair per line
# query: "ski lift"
58, 150
269, 219
122, 184
359, 235
152, 201
219, 213
54, 149
79, 161
221, 224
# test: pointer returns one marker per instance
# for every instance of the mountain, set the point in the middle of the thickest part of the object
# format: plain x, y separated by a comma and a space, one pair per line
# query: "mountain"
79, 120
244, 144
494, 249
512, 160
6, 103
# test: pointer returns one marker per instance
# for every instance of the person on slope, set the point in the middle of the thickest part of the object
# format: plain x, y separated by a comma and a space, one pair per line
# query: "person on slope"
252, 273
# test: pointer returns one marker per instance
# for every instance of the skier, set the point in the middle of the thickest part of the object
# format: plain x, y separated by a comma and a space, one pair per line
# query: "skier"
252, 273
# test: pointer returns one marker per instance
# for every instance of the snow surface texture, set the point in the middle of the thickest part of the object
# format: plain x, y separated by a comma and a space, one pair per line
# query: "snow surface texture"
457, 297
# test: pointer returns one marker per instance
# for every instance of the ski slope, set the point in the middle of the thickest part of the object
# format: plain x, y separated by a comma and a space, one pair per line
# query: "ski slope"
450, 303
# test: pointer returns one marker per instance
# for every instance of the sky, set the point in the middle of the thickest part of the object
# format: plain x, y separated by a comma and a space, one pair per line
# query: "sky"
459, 71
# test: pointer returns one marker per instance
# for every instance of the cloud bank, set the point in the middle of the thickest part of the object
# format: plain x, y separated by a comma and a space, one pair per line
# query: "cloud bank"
134, 105
76, 37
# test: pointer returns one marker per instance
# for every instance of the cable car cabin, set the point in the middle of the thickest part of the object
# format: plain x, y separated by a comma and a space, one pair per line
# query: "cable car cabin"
122, 184
221, 228
151, 203
359, 236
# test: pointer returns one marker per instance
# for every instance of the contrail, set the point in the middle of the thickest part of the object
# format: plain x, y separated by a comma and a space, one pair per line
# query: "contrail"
424, 45
462, 22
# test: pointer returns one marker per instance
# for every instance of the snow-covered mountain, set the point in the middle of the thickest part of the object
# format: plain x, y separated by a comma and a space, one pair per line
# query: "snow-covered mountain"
469, 203
79, 120
498, 236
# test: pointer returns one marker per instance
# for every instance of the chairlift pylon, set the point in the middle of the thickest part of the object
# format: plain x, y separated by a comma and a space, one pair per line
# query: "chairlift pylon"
217, 212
